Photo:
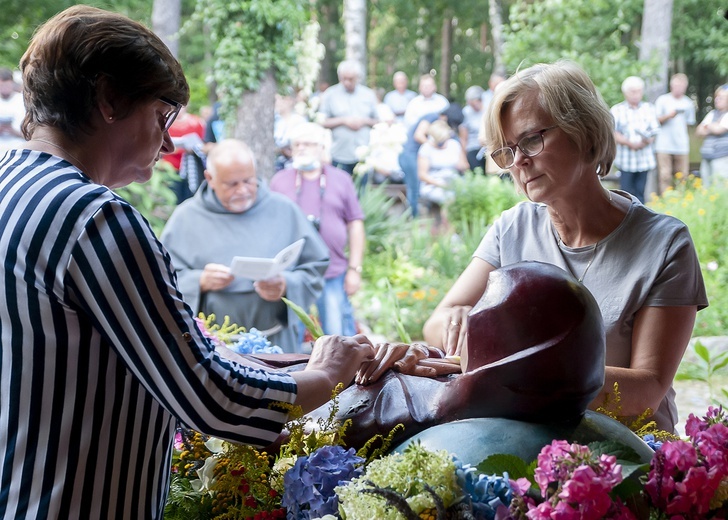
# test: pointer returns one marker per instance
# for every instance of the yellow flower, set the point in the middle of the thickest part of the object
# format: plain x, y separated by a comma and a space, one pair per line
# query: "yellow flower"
678, 176
419, 294
701, 212
713, 197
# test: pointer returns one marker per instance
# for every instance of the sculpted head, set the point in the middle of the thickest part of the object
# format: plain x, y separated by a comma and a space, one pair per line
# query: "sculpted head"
536, 340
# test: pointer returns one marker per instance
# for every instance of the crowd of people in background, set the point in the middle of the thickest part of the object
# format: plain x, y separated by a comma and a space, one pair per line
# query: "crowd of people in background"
348, 134
378, 136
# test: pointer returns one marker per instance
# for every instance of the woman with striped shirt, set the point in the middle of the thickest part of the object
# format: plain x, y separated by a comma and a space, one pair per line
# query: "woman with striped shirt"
99, 355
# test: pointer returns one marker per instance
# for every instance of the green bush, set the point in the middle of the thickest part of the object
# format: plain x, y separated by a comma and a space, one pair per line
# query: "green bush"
154, 199
480, 198
705, 212
407, 270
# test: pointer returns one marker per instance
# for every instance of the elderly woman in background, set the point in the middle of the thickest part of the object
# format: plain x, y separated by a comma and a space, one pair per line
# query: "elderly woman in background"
100, 355
440, 161
552, 130
714, 131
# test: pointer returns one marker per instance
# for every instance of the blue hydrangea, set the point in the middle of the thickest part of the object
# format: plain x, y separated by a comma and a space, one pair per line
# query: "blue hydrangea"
487, 493
253, 342
309, 484
651, 442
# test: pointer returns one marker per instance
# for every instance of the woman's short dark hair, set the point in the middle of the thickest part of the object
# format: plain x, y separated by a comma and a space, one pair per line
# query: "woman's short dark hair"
70, 52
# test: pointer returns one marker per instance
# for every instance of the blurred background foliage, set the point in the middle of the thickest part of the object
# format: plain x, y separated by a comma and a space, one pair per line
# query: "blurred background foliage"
419, 36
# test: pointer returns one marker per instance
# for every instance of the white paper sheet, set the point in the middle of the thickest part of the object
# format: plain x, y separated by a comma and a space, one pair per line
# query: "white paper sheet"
264, 268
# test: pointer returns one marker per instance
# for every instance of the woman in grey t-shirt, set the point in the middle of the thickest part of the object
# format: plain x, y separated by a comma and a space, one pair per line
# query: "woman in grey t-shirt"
551, 129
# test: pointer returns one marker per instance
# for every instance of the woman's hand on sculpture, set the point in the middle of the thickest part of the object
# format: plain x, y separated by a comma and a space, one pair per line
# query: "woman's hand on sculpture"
454, 330
407, 359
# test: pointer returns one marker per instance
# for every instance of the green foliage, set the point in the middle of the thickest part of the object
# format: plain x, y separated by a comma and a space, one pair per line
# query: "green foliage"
249, 38
184, 502
480, 199
701, 37
407, 271
499, 463
599, 35
705, 212
313, 327
154, 199
381, 221
708, 367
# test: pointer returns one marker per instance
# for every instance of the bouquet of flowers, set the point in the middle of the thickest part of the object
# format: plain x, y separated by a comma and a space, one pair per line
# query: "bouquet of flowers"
312, 475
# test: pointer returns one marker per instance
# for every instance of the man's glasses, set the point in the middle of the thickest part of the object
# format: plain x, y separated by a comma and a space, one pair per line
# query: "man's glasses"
530, 145
170, 116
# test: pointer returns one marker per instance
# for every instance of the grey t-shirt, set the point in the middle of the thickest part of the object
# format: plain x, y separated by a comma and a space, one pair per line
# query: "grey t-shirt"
649, 260
336, 101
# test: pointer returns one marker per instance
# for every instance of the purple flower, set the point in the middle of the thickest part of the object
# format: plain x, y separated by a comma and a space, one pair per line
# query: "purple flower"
309, 484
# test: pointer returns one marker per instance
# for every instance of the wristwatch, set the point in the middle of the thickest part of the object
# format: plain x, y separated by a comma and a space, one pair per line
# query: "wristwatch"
355, 268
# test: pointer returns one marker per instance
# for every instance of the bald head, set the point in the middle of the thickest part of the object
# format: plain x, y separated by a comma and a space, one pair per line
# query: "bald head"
231, 175
227, 151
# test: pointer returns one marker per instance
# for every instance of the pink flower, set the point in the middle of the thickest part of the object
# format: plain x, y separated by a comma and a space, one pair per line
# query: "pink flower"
692, 494
521, 486
680, 455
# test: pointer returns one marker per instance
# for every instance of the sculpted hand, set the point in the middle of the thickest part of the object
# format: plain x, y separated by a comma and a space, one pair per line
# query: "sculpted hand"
271, 290
408, 359
215, 277
454, 330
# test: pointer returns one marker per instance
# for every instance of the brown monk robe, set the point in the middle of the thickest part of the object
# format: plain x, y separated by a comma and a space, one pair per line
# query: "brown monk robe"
535, 353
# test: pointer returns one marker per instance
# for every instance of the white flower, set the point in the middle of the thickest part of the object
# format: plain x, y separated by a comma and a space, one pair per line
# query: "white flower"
712, 266
214, 445
206, 474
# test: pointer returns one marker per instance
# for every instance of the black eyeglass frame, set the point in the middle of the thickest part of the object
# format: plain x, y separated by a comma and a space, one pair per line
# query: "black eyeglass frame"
172, 115
518, 145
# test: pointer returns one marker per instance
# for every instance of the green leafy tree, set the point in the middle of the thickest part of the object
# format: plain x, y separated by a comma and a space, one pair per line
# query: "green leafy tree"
599, 35
698, 47
254, 53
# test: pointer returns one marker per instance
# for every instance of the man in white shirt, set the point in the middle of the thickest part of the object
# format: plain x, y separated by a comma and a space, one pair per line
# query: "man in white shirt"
675, 111
427, 102
400, 97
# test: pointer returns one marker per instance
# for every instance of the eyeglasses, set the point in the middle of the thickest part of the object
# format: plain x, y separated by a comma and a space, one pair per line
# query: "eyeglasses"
170, 116
531, 145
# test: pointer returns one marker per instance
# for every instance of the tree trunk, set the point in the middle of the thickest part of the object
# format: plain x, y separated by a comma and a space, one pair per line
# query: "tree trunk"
254, 124
496, 29
329, 36
655, 43
355, 31
424, 42
446, 56
166, 15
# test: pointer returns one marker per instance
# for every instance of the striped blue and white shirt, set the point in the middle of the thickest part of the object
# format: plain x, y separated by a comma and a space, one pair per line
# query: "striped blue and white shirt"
636, 124
99, 355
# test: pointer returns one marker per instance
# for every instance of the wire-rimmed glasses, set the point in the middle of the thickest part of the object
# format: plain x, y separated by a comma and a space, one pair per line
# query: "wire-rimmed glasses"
530, 145
170, 116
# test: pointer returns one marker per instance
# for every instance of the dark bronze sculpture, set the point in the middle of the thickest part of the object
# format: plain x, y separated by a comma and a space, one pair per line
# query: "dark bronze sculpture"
535, 353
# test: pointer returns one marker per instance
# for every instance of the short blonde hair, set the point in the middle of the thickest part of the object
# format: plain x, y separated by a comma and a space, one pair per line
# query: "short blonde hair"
440, 131
569, 97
